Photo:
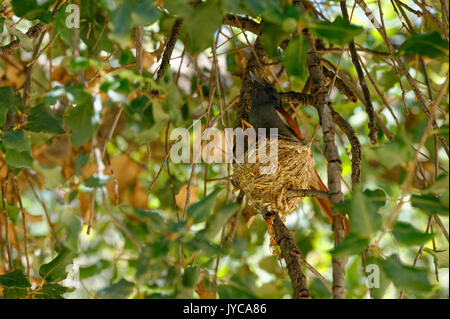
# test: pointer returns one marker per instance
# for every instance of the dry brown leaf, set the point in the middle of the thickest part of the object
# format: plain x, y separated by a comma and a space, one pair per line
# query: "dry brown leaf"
85, 205
16, 77
33, 218
203, 291
60, 75
180, 198
137, 197
148, 59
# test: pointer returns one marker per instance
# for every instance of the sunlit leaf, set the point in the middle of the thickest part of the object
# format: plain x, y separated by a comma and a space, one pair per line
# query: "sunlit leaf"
55, 270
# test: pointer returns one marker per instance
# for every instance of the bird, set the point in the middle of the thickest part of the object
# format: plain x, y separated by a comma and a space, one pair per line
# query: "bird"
267, 112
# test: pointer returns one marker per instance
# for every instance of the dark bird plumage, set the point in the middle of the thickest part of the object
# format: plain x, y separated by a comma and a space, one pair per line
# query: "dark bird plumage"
263, 113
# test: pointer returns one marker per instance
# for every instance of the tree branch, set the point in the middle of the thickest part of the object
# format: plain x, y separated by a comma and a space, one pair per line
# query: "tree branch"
297, 98
243, 23
291, 255
171, 41
354, 142
331, 154
362, 82
32, 33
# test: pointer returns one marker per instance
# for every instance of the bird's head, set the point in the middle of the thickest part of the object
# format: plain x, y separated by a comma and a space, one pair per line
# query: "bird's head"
263, 93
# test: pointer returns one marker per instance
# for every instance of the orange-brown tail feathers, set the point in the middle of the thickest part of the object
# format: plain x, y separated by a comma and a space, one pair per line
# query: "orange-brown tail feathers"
325, 204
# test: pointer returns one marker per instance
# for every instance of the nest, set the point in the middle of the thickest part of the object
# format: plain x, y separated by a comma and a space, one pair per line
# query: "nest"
294, 170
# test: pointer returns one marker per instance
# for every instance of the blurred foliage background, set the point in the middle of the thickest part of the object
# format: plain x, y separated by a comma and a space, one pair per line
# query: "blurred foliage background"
92, 207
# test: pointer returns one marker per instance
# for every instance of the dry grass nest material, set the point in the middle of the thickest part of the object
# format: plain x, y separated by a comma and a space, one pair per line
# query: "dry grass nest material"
294, 170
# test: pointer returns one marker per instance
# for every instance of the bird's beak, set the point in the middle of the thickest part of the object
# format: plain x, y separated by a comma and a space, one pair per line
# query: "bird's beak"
245, 124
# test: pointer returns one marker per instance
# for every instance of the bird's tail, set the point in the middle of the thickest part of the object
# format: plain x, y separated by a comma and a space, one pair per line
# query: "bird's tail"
325, 204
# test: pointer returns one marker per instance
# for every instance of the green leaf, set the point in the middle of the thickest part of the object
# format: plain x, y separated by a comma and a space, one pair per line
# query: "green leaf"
55, 270
429, 204
43, 119
318, 290
271, 36
201, 23
3, 112
351, 245
396, 152
8, 99
2, 21
152, 259
16, 140
272, 11
13, 212
377, 280
234, 6
19, 159
256, 7
340, 31
440, 256
269, 264
408, 235
15, 285
31, 9
295, 57
51, 175
121, 21
119, 290
190, 277
219, 219
95, 269
160, 118
96, 181
406, 277
81, 121
80, 162
201, 210
200, 244
145, 12
431, 45
72, 226
79, 63
364, 217
51, 291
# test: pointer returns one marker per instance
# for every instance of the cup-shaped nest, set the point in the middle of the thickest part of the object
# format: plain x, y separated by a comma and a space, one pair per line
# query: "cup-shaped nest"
266, 179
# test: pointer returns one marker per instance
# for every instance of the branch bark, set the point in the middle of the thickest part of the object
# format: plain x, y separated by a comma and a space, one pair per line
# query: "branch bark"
244, 23
171, 41
362, 82
291, 255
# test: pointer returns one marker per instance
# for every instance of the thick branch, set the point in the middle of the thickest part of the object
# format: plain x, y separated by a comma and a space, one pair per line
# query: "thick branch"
354, 142
297, 98
291, 255
171, 41
244, 23
340, 85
